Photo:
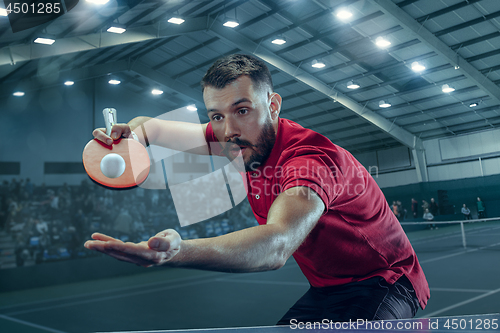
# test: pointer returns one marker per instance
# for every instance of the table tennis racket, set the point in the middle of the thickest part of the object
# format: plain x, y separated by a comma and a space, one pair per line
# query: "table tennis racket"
122, 165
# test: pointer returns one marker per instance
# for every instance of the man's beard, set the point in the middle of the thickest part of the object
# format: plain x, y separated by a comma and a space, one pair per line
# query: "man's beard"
261, 150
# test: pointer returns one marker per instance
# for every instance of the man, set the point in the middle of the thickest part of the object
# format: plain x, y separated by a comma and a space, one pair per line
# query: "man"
433, 207
480, 208
466, 212
312, 199
428, 216
414, 207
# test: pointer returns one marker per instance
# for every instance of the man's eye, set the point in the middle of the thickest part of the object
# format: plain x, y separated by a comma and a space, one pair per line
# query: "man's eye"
216, 117
243, 111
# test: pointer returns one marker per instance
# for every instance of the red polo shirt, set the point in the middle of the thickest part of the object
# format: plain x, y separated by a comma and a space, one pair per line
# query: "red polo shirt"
357, 237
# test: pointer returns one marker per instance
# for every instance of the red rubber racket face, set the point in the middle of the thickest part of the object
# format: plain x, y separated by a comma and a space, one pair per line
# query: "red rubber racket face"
133, 153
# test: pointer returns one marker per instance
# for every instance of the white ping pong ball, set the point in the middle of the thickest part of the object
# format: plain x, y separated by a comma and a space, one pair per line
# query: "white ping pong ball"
112, 165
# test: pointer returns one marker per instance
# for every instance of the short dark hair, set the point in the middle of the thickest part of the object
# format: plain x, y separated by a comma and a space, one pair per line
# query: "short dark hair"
229, 68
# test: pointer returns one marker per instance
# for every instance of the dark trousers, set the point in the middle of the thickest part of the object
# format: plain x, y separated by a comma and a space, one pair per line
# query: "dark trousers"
372, 299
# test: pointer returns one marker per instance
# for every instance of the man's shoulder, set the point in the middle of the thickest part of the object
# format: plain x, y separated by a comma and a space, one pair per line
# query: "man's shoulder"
297, 140
296, 136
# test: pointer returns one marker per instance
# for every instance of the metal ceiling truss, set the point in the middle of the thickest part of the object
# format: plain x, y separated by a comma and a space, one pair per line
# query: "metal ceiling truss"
431, 40
395, 131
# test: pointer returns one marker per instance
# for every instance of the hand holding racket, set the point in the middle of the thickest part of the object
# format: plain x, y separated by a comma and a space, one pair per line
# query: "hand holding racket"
113, 159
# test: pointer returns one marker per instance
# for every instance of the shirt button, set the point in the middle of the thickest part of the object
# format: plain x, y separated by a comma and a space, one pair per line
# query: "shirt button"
257, 196
255, 174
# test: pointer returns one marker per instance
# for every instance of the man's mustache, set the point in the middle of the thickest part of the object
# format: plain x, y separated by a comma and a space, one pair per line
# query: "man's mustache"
236, 142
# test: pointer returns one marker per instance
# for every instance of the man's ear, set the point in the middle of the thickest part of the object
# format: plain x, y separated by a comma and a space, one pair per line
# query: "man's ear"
275, 105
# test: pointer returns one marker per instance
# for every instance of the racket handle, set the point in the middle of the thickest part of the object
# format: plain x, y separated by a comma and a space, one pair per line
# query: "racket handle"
109, 119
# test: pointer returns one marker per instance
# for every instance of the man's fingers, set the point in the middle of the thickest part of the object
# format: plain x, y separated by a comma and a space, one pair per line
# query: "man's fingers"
103, 237
158, 249
166, 240
112, 251
100, 134
139, 250
159, 243
129, 258
119, 130
95, 245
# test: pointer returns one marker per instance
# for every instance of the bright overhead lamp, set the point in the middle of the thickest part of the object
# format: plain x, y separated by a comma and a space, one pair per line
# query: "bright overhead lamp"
384, 104
318, 64
3, 12
98, 2
447, 88
352, 85
157, 92
473, 105
344, 14
117, 28
18, 93
382, 42
280, 40
192, 107
176, 20
231, 23
69, 83
45, 40
114, 82
417, 67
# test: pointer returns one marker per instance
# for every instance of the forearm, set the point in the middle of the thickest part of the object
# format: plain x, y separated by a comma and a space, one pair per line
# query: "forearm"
260, 248
181, 136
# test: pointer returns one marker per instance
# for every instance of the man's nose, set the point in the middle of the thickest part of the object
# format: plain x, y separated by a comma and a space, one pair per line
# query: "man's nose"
231, 128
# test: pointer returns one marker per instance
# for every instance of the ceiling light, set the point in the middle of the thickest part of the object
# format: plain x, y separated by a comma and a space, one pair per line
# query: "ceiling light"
231, 24
114, 81
157, 92
344, 14
176, 20
352, 85
318, 64
46, 41
117, 28
415, 66
447, 88
384, 104
280, 40
69, 83
3, 12
381, 42
98, 2
473, 105
192, 108
18, 94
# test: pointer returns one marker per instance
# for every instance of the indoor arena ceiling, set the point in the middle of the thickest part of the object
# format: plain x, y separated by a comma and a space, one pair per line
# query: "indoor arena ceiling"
457, 41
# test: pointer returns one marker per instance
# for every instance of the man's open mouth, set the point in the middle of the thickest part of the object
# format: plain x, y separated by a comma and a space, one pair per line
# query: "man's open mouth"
235, 151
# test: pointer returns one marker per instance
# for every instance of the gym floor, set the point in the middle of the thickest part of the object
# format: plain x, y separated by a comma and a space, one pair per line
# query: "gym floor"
462, 281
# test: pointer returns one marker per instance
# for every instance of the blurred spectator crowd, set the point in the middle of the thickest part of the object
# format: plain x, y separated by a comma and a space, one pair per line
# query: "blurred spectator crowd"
429, 210
41, 224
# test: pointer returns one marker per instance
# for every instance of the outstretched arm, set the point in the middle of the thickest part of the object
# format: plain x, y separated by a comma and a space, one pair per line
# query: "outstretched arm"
181, 136
292, 216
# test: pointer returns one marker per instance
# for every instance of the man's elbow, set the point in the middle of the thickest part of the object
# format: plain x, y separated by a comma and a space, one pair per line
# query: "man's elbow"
279, 258
277, 264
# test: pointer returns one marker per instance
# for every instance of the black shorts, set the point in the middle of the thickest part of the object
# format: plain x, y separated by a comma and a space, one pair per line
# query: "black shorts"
372, 299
